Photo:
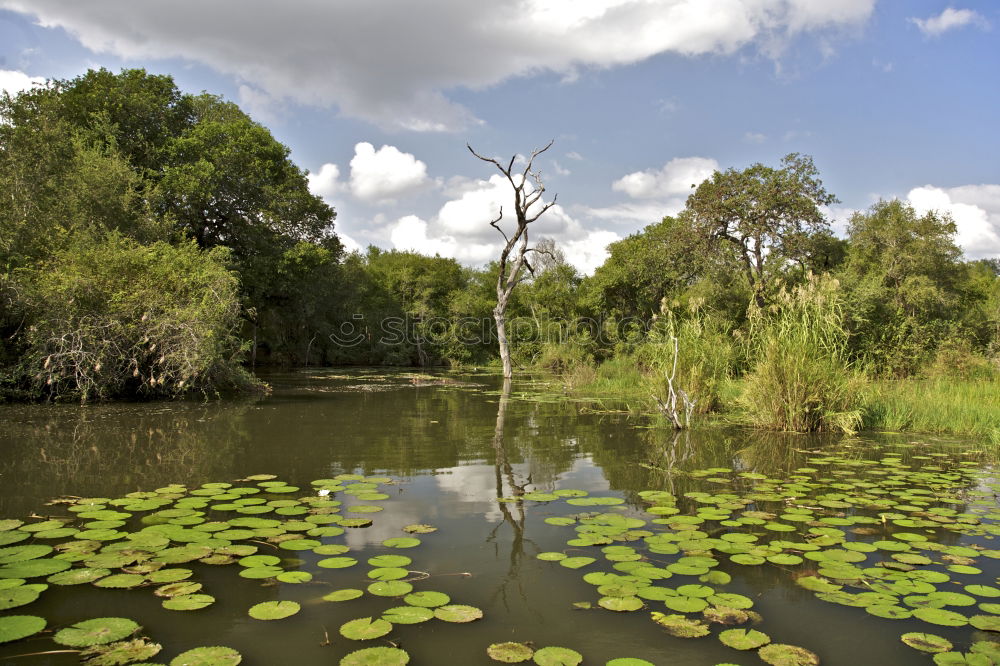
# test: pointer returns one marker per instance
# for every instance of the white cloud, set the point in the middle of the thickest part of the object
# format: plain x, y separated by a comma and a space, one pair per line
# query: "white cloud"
387, 62
754, 137
573, 155
975, 209
259, 104
629, 213
350, 245
461, 228
326, 183
675, 177
13, 81
949, 19
386, 173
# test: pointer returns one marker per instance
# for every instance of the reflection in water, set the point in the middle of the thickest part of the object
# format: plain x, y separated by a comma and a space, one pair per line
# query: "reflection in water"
456, 449
504, 470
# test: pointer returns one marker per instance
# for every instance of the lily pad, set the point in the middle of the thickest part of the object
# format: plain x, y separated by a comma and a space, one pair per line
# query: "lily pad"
274, 610
557, 656
343, 595
208, 656
407, 615
510, 652
401, 542
779, 654
941, 617
16, 627
18, 596
390, 588
744, 639
189, 602
122, 652
376, 656
457, 613
96, 632
926, 642
427, 599
365, 628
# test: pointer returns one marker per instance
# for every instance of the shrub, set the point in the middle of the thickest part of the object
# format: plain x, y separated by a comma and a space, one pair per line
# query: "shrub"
801, 380
113, 318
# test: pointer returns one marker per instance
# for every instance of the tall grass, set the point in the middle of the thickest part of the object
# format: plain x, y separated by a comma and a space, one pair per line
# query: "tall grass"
940, 405
800, 379
705, 359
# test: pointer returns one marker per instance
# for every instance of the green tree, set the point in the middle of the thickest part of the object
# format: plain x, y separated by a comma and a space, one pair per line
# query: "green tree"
765, 216
907, 286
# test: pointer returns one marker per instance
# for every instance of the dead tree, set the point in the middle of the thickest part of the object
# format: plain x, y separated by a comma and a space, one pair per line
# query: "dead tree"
513, 257
670, 407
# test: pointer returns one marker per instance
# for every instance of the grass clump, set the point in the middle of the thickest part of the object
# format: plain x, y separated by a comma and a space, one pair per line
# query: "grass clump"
800, 379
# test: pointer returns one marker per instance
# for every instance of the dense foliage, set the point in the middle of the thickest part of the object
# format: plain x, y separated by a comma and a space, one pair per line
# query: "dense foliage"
136, 215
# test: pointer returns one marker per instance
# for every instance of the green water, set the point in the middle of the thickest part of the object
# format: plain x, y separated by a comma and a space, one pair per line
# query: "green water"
451, 447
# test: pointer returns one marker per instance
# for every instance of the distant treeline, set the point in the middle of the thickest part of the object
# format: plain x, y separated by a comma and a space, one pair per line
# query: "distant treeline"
154, 243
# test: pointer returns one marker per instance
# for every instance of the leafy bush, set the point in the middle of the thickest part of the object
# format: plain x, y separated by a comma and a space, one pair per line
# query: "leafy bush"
801, 380
115, 318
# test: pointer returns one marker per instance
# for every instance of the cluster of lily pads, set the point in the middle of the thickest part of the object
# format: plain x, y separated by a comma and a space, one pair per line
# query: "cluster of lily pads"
877, 535
139, 541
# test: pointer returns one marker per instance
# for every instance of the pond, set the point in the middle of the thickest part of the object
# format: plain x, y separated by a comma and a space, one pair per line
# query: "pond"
534, 518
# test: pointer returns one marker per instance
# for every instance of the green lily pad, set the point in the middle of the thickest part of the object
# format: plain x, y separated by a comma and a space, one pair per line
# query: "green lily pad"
16, 627
178, 589
779, 654
365, 628
679, 625
744, 639
985, 622
120, 581
401, 542
337, 562
557, 656
941, 617
629, 661
427, 599
208, 656
390, 588
189, 602
510, 652
18, 596
34, 568
273, 610
576, 562
621, 604
388, 573
376, 656
419, 529
389, 561
122, 652
407, 615
457, 613
926, 642
96, 632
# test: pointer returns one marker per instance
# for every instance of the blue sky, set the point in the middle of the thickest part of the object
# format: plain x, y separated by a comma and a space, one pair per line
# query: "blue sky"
377, 98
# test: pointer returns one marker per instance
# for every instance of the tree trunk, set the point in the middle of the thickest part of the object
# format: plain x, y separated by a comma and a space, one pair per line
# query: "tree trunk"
499, 314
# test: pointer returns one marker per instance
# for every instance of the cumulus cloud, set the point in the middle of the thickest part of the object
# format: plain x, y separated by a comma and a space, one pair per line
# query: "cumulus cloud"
675, 177
949, 19
393, 63
379, 175
755, 137
975, 209
13, 81
461, 228
326, 182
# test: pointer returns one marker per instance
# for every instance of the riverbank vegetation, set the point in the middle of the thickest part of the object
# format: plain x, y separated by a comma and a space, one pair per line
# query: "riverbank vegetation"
155, 243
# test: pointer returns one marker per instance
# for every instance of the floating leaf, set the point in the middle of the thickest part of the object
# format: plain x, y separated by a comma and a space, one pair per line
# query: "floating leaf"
557, 656
273, 610
510, 652
376, 656
680, 626
123, 652
926, 642
16, 627
621, 604
96, 632
401, 542
407, 615
779, 654
189, 602
18, 596
940, 616
419, 529
343, 595
457, 613
427, 599
365, 628
744, 639
208, 656
121, 581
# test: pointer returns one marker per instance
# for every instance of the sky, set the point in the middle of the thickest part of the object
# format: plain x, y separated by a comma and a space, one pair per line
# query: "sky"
642, 98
